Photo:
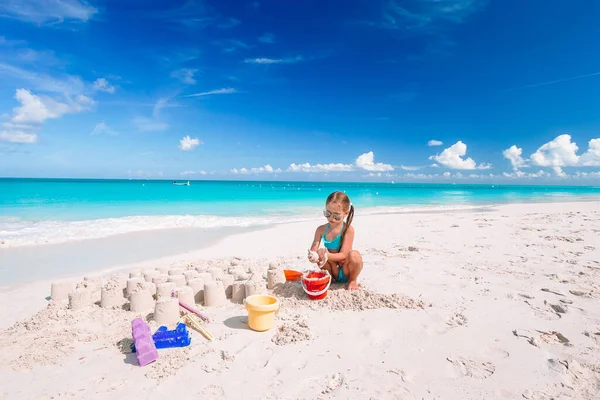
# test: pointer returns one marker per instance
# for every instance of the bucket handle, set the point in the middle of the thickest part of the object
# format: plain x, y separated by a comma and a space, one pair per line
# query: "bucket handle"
320, 292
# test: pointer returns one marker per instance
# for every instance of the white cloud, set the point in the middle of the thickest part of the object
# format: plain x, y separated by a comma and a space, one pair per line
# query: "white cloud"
366, 161
425, 16
154, 124
34, 110
307, 167
558, 153
594, 174
216, 91
102, 85
266, 169
434, 143
513, 154
521, 174
201, 172
67, 84
434, 165
37, 109
420, 176
46, 11
592, 156
188, 143
446, 174
264, 60
185, 75
268, 38
452, 158
17, 136
144, 124
102, 128
409, 168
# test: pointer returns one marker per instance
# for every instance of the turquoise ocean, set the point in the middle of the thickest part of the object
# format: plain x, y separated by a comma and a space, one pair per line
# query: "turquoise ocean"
57, 210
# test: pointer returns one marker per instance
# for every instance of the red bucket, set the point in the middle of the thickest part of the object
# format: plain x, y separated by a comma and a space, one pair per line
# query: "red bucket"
316, 284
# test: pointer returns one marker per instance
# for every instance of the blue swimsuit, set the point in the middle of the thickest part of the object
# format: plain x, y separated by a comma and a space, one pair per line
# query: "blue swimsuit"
335, 244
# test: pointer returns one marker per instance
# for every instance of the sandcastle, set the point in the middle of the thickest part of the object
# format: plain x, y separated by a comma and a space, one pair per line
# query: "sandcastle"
215, 272
90, 283
185, 294
141, 300
166, 311
132, 283
80, 298
178, 280
157, 280
150, 274
197, 286
59, 291
163, 270
190, 274
205, 276
275, 277
238, 291
255, 286
239, 273
164, 290
136, 273
227, 281
111, 298
201, 268
120, 280
214, 293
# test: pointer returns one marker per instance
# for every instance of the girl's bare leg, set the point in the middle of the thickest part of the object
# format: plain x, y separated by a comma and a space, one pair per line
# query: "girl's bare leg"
333, 268
353, 265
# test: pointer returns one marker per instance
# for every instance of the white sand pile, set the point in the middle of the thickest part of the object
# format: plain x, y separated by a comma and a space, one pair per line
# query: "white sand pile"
339, 299
55, 331
291, 332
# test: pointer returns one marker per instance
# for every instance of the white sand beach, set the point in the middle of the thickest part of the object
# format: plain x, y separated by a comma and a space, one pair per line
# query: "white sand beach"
493, 303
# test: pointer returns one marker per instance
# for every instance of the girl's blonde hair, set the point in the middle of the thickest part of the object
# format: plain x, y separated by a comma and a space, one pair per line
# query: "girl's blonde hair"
344, 200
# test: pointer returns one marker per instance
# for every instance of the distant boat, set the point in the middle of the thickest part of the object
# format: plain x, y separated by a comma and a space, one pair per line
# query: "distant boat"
181, 183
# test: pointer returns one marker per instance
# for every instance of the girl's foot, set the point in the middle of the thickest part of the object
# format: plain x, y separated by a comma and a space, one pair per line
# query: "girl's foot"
353, 285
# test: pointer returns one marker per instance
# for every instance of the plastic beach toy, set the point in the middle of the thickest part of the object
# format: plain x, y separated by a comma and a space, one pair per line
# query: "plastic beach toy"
291, 275
178, 337
261, 311
316, 284
142, 340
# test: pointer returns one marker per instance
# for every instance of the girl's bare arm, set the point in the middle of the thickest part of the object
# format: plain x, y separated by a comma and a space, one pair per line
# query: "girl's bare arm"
317, 239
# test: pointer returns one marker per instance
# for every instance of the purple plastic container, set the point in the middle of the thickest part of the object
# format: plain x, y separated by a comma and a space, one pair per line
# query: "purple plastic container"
143, 342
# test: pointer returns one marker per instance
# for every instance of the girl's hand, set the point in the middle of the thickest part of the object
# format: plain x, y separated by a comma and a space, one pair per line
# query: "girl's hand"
313, 257
322, 257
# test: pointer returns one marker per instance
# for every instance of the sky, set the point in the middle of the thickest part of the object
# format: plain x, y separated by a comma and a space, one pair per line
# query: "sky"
355, 90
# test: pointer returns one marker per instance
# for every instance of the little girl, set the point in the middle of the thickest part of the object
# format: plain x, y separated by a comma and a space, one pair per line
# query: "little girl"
343, 263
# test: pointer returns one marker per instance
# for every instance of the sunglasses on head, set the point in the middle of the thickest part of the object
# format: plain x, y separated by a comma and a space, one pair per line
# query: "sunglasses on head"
336, 216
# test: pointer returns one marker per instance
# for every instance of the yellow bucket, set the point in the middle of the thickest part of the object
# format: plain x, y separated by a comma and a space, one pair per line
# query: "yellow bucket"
261, 311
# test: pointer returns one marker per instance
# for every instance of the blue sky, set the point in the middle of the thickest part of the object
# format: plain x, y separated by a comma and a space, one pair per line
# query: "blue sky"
419, 90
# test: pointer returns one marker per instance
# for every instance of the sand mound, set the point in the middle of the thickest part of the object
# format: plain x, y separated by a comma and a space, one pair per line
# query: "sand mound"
291, 332
339, 299
55, 331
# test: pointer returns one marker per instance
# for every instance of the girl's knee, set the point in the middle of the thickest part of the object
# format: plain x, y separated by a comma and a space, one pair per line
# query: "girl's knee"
354, 257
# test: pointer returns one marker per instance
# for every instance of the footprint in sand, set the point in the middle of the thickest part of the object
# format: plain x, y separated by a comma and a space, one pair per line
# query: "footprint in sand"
213, 392
543, 312
334, 382
472, 368
537, 395
495, 352
456, 320
595, 336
